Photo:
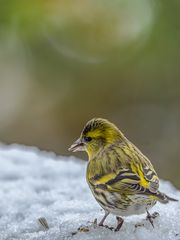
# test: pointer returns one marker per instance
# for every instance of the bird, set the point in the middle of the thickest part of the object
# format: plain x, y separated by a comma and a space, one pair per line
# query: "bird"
121, 178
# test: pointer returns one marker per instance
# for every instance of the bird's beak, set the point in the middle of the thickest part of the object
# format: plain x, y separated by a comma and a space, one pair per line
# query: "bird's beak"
77, 146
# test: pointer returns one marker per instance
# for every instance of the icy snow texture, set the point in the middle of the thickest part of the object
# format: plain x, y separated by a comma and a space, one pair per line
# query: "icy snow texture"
37, 184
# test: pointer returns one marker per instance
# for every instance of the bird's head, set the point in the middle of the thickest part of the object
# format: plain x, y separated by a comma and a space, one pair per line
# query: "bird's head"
97, 134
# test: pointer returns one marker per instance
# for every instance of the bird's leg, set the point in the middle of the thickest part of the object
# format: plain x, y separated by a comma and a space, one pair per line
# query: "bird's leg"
103, 219
150, 217
119, 223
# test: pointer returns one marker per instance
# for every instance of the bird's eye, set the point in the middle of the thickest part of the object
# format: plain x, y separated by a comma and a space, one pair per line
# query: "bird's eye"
87, 139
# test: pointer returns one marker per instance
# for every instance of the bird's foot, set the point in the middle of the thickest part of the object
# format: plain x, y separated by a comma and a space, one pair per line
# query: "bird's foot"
101, 223
119, 224
150, 217
95, 224
110, 228
106, 226
103, 219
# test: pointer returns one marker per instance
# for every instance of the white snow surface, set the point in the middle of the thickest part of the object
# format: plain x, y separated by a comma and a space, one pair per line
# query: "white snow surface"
36, 184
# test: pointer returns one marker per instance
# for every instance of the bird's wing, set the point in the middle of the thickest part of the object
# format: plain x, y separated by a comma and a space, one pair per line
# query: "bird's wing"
135, 176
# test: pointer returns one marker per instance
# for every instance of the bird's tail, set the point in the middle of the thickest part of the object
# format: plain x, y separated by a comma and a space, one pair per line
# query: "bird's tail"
163, 198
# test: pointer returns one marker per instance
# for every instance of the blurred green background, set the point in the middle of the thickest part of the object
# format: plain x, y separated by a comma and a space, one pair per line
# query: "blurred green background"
63, 62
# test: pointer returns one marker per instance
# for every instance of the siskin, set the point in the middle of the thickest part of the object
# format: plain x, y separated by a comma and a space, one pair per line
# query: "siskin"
121, 178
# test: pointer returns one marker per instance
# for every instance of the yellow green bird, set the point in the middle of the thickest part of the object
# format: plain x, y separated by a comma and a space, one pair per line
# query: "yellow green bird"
121, 178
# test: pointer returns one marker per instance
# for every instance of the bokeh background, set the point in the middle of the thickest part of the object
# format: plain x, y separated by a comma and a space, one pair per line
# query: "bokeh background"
63, 62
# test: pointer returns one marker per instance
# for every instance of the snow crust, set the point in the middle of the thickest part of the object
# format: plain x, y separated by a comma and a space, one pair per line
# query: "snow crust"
36, 184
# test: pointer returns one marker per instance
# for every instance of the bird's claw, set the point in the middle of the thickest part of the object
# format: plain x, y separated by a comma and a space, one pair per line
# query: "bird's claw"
110, 228
106, 226
150, 217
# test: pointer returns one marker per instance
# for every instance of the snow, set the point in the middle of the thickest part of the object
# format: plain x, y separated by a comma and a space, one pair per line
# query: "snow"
37, 184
